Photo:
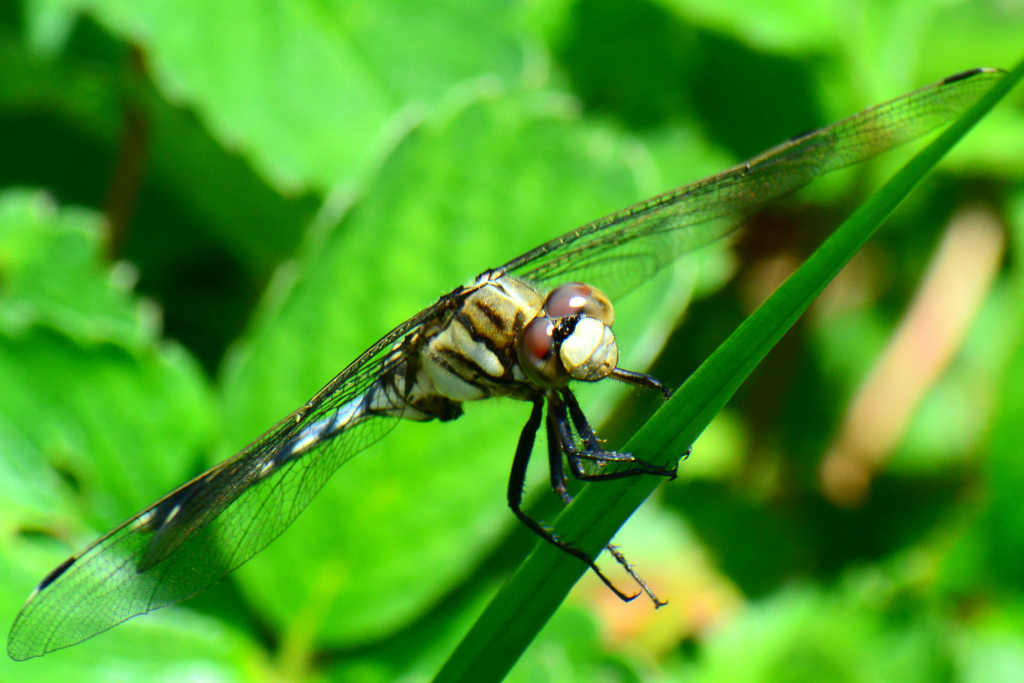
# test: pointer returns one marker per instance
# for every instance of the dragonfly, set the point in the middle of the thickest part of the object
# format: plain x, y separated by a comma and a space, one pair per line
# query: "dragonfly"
526, 330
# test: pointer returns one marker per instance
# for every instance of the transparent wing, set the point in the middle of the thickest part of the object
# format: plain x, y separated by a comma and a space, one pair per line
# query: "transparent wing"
193, 537
620, 251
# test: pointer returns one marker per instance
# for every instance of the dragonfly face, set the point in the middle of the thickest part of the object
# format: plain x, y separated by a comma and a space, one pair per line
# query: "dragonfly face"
571, 339
526, 330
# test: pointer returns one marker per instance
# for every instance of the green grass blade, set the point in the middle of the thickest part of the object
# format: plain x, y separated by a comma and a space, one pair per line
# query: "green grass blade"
534, 592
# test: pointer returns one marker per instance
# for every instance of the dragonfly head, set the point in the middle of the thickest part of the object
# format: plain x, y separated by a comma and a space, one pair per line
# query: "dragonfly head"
571, 339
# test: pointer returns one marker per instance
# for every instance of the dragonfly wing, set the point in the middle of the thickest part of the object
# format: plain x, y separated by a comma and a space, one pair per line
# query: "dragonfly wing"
192, 538
619, 252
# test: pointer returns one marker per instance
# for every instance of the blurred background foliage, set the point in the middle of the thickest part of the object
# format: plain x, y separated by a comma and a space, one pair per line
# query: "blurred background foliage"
207, 209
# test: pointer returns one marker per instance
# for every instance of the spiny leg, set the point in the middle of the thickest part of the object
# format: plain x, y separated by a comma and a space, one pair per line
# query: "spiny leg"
639, 379
558, 483
576, 457
516, 481
594, 449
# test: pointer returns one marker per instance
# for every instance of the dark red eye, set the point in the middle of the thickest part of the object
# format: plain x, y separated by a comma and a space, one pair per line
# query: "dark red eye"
537, 340
575, 298
537, 357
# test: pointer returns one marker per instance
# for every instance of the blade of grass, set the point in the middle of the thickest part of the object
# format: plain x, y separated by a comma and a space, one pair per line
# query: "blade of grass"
529, 598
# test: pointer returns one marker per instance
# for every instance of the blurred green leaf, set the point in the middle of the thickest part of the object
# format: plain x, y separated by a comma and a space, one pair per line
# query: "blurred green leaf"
640, 62
1003, 520
206, 230
53, 277
313, 93
632, 58
990, 648
122, 417
807, 635
214, 184
980, 33
48, 24
974, 32
779, 25
567, 650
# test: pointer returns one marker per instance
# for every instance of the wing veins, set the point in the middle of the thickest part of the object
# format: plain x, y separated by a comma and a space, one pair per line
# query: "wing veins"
735, 192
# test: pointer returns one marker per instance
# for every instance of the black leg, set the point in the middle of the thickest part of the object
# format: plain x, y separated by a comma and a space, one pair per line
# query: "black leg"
515, 497
639, 379
621, 559
517, 478
582, 425
560, 421
558, 482
596, 452
559, 439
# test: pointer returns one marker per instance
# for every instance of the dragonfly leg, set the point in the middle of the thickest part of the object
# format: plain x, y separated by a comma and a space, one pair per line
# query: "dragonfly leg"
639, 379
515, 498
558, 483
595, 452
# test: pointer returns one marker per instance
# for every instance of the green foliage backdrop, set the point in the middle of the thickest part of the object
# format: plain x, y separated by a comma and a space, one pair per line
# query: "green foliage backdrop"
209, 208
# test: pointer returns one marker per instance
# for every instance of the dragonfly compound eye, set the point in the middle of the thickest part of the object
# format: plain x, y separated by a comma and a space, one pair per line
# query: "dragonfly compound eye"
589, 353
574, 298
537, 356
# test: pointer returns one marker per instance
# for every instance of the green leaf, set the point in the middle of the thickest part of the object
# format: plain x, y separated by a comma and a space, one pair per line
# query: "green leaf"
805, 635
313, 93
212, 184
52, 277
779, 25
989, 648
529, 598
85, 379
48, 24
1002, 523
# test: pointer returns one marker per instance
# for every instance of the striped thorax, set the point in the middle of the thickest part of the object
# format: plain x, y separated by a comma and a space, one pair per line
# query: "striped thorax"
505, 338
471, 354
